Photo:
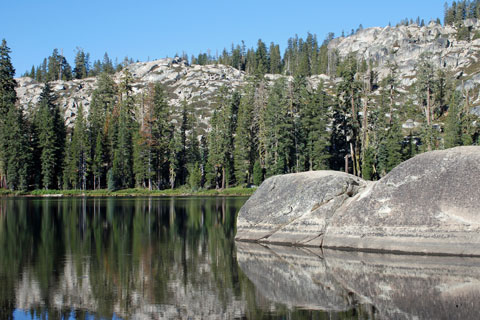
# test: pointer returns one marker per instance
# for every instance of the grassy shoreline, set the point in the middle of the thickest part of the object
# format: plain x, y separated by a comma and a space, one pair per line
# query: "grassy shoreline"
137, 192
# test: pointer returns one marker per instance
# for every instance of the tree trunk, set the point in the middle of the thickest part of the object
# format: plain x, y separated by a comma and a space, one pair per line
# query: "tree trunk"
223, 177
429, 143
352, 154
391, 105
364, 125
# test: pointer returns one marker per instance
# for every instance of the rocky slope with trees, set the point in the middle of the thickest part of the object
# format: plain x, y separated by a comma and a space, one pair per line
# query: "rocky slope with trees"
367, 101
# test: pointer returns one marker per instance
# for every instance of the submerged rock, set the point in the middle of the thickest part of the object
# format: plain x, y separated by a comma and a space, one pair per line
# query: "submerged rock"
428, 204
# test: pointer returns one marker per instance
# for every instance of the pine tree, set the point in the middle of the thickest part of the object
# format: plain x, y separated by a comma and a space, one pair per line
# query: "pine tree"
70, 173
141, 168
123, 144
78, 154
81, 65
66, 70
193, 146
261, 59
257, 173
348, 93
394, 145
368, 163
279, 146
453, 123
275, 59
195, 176
339, 148
220, 139
174, 148
425, 88
51, 137
101, 120
16, 152
181, 148
107, 64
8, 98
315, 118
244, 141
159, 134
54, 66
203, 163
98, 160
304, 60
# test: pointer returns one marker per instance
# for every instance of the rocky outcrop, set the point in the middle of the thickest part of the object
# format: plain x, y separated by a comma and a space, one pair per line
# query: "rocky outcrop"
428, 205
197, 84
295, 208
404, 45
377, 286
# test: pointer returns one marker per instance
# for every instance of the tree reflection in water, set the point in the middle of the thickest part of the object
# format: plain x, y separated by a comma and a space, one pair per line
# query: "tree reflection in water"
125, 257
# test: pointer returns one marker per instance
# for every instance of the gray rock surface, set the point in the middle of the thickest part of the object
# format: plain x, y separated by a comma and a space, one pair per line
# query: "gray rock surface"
295, 208
428, 204
405, 44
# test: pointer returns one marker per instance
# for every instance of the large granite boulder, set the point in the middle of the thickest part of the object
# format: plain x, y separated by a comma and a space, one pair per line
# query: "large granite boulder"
428, 204
295, 208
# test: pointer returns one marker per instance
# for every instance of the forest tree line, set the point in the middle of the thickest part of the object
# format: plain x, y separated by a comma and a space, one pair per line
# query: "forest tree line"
56, 67
258, 131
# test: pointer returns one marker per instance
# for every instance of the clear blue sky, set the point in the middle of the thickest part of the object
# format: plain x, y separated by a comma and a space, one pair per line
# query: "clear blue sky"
144, 29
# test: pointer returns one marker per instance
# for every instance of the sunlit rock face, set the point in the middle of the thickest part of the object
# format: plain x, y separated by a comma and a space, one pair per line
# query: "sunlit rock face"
295, 208
404, 45
428, 204
379, 286
194, 84
198, 85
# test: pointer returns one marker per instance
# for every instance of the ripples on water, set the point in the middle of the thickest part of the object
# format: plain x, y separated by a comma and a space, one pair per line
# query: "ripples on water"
155, 258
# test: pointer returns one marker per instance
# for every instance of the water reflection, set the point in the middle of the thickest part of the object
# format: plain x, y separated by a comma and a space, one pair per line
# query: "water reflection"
123, 257
158, 258
369, 285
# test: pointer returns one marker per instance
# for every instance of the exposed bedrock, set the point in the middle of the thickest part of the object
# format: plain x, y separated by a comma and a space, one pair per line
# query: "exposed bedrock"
428, 204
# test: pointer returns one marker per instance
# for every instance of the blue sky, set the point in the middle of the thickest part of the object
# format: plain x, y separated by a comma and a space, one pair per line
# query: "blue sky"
145, 30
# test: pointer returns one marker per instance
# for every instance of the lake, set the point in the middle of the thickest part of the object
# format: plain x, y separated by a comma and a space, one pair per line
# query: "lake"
155, 258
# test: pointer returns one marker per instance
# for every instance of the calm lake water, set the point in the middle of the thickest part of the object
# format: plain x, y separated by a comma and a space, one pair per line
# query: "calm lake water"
155, 258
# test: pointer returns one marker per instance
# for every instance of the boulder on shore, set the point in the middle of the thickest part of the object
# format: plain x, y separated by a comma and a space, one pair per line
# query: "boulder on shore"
294, 208
428, 204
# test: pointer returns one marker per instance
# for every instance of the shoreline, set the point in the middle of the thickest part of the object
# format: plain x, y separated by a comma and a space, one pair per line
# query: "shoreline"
137, 192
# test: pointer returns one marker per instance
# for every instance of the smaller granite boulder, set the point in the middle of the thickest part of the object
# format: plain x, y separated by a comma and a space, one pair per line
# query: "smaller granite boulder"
294, 209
